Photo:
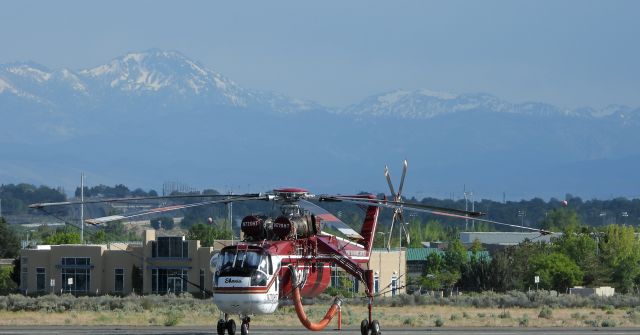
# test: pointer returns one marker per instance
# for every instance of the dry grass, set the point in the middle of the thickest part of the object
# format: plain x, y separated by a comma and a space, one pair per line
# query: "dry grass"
414, 316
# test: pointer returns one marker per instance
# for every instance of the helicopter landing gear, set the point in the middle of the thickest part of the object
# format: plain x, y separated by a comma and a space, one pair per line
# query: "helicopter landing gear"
221, 327
226, 324
373, 327
244, 327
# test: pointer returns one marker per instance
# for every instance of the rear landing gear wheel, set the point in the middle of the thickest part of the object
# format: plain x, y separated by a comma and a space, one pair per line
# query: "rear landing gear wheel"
231, 327
221, 327
364, 327
375, 327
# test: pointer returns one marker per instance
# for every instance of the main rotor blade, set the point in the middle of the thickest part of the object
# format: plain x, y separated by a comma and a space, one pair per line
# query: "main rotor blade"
330, 220
106, 219
405, 205
430, 210
404, 173
95, 201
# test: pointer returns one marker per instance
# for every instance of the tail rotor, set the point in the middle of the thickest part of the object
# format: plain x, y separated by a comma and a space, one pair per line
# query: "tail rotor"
397, 198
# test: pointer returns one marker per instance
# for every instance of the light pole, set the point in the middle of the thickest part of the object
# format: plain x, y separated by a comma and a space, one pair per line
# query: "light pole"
380, 252
522, 213
82, 208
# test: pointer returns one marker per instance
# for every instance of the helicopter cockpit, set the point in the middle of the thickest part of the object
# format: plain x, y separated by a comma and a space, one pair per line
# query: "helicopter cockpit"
252, 263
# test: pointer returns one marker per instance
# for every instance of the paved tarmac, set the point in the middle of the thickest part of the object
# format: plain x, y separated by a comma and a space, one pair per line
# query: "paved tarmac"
4, 330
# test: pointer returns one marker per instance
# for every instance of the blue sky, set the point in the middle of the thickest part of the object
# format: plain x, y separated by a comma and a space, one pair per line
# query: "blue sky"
568, 53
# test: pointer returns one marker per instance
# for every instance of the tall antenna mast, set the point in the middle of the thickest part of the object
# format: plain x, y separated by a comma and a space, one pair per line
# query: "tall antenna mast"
82, 207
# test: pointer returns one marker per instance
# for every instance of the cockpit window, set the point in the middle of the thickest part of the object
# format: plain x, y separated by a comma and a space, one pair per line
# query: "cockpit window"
242, 263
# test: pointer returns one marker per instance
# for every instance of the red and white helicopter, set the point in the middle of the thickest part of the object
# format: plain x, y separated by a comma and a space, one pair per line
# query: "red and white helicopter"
289, 256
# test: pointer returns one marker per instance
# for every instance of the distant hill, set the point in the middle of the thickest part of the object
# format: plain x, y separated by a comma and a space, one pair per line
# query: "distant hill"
147, 117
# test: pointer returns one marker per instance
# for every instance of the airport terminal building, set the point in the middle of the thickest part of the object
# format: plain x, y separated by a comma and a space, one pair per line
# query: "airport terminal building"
156, 265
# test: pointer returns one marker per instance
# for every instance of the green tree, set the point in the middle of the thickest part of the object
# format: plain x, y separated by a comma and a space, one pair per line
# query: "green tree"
207, 234
63, 237
502, 276
560, 219
9, 242
620, 255
581, 247
455, 256
557, 271
431, 277
7, 284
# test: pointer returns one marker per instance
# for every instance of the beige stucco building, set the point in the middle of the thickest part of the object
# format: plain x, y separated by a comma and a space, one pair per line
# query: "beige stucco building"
159, 265
156, 265
389, 273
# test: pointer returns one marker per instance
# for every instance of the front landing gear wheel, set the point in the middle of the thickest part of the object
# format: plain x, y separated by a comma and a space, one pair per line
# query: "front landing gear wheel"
221, 327
231, 327
244, 327
375, 327
364, 327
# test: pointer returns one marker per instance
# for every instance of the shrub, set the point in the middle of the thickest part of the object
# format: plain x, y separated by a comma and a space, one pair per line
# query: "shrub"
546, 313
592, 323
633, 316
172, 317
438, 322
608, 323
505, 315
410, 321
454, 317
524, 321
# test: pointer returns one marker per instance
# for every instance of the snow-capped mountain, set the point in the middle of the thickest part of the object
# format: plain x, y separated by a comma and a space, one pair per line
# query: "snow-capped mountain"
154, 73
426, 104
156, 115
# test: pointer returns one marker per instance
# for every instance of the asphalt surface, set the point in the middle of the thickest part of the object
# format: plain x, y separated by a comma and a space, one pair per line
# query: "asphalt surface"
295, 331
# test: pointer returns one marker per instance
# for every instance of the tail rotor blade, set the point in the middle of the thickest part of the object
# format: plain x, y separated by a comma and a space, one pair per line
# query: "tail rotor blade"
404, 173
404, 228
393, 220
388, 176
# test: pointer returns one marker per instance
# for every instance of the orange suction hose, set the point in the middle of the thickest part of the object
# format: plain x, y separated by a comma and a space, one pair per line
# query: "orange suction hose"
297, 300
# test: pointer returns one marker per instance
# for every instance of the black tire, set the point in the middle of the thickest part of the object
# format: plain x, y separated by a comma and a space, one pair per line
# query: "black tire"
375, 327
244, 329
221, 327
231, 327
364, 327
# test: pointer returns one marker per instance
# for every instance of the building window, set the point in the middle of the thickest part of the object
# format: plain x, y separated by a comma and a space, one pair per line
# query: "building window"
170, 247
342, 280
169, 280
119, 280
202, 288
394, 285
40, 280
24, 273
376, 283
76, 274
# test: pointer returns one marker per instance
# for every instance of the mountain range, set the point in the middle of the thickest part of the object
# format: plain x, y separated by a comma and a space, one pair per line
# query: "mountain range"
152, 116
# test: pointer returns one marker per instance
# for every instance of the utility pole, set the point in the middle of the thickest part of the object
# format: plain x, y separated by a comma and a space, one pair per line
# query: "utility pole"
230, 217
473, 209
82, 208
466, 207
